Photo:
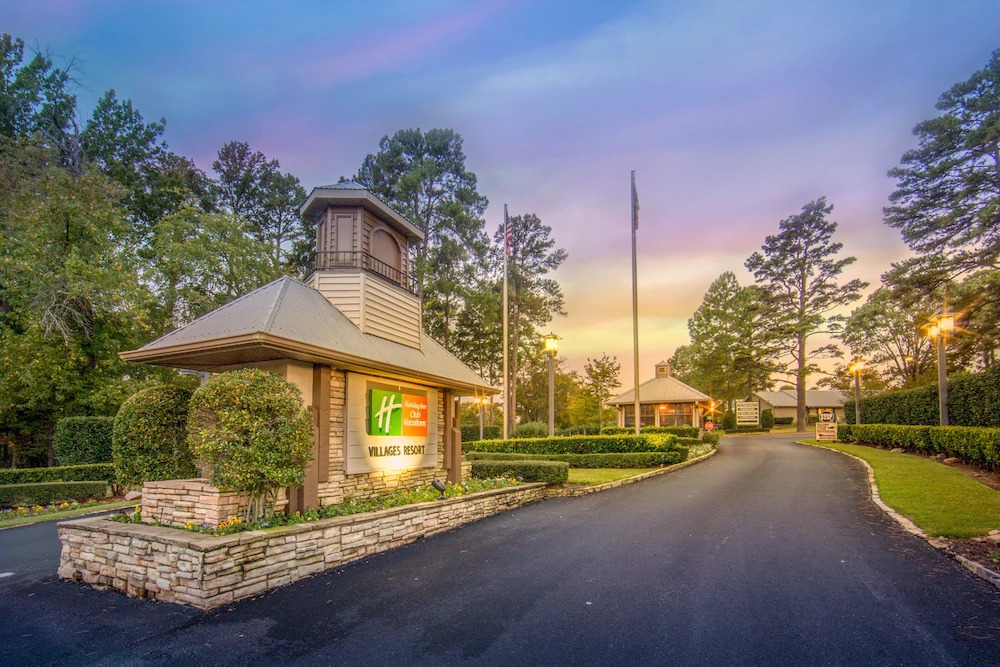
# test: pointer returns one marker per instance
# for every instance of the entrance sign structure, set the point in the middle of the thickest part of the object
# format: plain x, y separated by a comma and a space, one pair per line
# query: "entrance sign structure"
350, 332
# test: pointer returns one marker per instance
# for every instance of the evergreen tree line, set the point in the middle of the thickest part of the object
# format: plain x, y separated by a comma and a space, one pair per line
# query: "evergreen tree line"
947, 208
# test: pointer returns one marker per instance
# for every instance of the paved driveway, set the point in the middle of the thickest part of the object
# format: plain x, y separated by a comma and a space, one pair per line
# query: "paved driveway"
769, 553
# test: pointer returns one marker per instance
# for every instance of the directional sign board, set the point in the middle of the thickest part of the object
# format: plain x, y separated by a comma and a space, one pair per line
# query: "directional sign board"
747, 413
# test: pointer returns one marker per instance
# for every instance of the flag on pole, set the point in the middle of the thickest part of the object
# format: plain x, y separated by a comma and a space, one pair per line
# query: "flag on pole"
635, 204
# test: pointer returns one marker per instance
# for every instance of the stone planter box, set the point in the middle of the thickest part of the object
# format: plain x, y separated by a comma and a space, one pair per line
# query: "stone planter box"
205, 571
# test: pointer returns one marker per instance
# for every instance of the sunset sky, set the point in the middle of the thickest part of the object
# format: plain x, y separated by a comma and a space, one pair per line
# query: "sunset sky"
733, 114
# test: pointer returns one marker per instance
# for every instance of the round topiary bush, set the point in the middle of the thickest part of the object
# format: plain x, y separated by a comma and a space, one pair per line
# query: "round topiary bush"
251, 428
150, 437
82, 440
531, 430
767, 419
729, 421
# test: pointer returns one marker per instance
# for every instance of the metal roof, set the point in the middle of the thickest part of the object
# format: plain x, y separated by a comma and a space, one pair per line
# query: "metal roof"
289, 319
661, 390
815, 398
352, 193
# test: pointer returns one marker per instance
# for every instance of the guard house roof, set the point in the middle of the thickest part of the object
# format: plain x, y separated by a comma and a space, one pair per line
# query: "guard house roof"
661, 389
815, 398
352, 193
287, 319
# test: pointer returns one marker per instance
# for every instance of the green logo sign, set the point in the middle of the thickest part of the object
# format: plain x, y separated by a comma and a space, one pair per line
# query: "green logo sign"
385, 412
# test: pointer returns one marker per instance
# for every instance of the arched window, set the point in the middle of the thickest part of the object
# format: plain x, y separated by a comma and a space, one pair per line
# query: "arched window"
386, 250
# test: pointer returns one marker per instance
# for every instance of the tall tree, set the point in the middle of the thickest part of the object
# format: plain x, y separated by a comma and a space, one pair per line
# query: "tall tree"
69, 296
799, 270
35, 97
600, 379
423, 175
733, 347
534, 298
252, 188
947, 198
889, 335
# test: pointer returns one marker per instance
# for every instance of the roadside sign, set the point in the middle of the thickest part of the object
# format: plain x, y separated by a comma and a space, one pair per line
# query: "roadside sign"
826, 415
747, 413
826, 431
709, 426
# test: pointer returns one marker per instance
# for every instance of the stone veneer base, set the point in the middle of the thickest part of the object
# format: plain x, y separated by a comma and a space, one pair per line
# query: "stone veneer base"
206, 571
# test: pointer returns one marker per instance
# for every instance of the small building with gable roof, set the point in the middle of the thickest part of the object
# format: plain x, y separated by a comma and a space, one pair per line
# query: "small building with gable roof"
663, 401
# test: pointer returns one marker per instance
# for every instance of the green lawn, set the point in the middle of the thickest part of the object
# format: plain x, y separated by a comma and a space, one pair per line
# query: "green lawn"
941, 500
594, 476
67, 514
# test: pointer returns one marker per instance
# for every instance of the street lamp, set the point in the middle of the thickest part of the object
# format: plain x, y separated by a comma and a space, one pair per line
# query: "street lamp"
857, 365
551, 346
941, 326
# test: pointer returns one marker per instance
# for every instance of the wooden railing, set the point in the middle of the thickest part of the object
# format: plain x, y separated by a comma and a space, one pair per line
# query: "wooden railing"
351, 259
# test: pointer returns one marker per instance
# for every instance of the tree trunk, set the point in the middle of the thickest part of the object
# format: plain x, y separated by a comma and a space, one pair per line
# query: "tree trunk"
800, 387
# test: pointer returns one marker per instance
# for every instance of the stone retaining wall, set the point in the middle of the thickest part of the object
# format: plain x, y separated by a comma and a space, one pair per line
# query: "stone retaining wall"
173, 565
174, 502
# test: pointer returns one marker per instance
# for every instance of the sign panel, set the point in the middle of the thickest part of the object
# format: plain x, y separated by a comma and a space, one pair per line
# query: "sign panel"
826, 415
389, 425
747, 413
826, 431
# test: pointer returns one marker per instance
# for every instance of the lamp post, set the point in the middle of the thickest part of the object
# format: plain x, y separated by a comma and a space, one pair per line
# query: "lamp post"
941, 326
551, 344
857, 365
482, 406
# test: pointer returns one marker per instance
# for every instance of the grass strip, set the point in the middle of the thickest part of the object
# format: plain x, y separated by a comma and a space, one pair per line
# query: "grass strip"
943, 501
594, 476
67, 514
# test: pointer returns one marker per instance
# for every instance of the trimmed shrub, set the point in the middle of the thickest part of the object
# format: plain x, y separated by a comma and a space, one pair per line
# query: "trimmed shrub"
531, 430
95, 472
844, 433
712, 438
150, 437
748, 429
41, 493
579, 430
251, 428
471, 433
679, 431
623, 460
550, 472
973, 400
767, 419
578, 444
729, 421
974, 444
784, 421
82, 440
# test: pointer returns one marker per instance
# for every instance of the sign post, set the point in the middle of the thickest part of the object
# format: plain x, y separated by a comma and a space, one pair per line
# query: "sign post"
826, 427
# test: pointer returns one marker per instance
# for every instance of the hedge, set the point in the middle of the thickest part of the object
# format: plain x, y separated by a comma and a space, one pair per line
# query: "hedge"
550, 472
784, 421
42, 493
618, 460
973, 400
712, 438
471, 433
82, 440
844, 433
578, 444
95, 472
679, 431
975, 444
767, 419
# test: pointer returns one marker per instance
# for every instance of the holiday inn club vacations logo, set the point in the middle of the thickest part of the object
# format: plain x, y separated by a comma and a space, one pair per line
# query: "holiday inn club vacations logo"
397, 412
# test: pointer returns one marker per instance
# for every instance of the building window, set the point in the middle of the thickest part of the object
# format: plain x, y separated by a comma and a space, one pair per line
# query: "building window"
676, 414
629, 415
647, 415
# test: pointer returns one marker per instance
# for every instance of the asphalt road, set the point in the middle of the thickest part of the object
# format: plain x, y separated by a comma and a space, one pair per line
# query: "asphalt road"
769, 553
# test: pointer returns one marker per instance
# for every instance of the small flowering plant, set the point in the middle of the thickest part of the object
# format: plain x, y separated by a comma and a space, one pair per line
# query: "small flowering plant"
21, 511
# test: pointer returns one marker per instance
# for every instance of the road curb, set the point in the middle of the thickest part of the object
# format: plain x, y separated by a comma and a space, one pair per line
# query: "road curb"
977, 569
573, 493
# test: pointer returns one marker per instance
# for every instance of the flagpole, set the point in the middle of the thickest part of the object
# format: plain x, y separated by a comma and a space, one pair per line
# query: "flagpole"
506, 382
635, 305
